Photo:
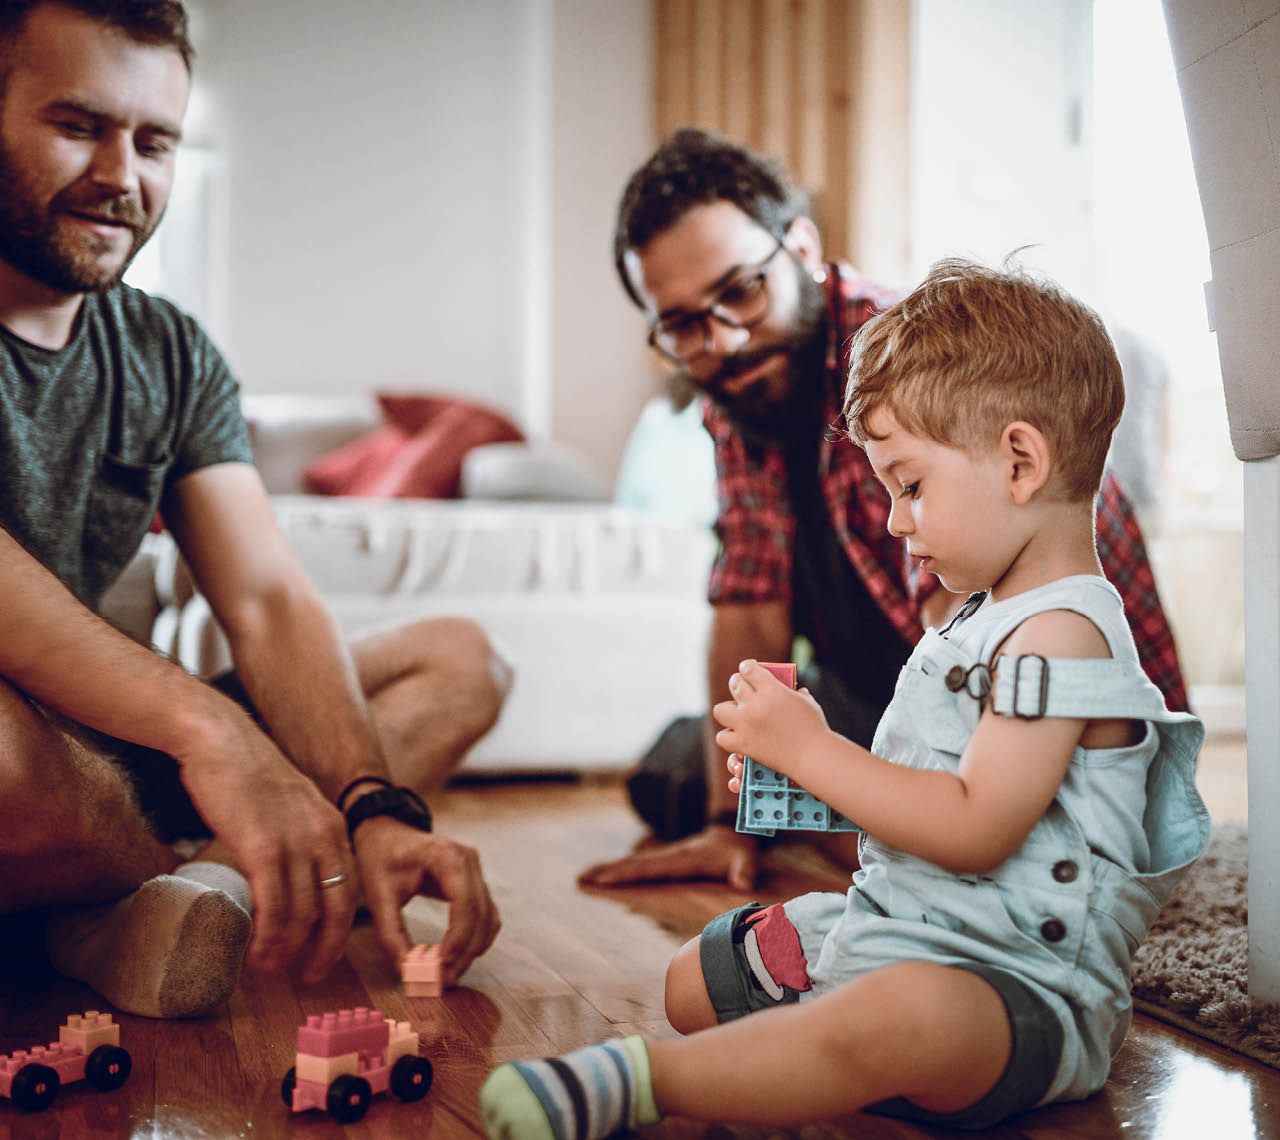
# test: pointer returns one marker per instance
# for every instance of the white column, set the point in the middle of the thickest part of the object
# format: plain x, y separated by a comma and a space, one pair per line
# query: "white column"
1262, 712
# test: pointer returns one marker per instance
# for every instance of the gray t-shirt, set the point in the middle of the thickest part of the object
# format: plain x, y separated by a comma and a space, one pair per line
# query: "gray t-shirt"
93, 435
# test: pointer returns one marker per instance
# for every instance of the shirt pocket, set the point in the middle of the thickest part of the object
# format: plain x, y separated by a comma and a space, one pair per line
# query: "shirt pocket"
119, 511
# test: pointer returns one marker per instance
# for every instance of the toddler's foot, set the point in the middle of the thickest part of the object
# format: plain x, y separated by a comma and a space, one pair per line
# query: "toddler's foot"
588, 1094
172, 948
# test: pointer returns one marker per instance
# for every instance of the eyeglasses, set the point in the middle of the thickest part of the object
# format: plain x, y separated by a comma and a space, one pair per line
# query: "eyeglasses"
743, 302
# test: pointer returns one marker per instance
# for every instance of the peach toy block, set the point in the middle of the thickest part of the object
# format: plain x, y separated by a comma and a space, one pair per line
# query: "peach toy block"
404, 1041
420, 972
323, 1069
89, 1030
769, 802
31, 1078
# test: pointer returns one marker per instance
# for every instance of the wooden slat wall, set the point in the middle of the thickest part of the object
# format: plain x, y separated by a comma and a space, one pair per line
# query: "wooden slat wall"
820, 84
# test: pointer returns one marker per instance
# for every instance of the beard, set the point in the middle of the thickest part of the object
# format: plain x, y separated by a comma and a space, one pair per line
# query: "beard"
32, 241
777, 411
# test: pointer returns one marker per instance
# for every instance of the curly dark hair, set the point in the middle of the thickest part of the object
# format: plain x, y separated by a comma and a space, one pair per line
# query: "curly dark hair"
157, 23
693, 168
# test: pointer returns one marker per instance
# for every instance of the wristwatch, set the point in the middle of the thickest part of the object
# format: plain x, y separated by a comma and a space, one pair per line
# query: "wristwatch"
400, 803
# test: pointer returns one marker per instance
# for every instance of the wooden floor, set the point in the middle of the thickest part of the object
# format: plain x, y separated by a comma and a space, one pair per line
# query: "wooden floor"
570, 967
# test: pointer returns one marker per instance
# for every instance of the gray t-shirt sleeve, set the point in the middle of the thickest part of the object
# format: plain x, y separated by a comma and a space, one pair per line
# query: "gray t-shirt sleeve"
215, 430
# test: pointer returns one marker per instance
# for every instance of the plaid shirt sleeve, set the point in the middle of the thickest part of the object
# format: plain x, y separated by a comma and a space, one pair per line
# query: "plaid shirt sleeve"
754, 521
1124, 561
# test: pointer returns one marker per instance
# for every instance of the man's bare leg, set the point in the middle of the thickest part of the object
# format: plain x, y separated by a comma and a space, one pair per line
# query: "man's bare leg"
156, 937
434, 687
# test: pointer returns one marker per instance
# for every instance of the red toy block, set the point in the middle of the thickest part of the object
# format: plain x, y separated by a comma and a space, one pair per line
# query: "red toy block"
32, 1077
345, 1058
420, 972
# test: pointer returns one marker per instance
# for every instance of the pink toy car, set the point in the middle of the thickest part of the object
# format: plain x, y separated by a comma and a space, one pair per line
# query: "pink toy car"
88, 1048
344, 1058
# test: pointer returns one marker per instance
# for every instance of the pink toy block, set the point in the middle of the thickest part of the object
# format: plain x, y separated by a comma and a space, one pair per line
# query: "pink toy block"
32, 1077
420, 972
347, 1057
359, 1030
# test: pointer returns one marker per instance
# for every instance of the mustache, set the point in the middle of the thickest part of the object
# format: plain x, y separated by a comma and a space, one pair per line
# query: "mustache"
735, 366
122, 208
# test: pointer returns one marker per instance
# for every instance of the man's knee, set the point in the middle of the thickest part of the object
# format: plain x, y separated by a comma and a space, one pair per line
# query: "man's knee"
463, 651
37, 777
688, 1005
29, 747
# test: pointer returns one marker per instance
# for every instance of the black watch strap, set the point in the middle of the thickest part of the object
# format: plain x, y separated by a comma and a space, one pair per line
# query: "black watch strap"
399, 803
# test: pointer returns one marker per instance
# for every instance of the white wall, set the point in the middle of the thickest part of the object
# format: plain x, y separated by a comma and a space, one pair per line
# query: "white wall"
418, 193
1000, 134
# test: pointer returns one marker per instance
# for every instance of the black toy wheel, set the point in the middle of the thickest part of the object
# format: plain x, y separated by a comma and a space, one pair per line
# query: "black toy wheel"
34, 1087
108, 1067
411, 1077
348, 1098
287, 1086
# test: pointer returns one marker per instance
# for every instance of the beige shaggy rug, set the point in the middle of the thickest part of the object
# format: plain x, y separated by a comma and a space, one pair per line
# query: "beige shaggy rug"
1193, 969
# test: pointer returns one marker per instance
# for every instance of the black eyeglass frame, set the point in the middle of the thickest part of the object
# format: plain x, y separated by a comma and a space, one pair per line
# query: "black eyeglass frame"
759, 275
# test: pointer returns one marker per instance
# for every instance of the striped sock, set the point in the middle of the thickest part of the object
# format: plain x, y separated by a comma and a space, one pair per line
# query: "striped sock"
588, 1094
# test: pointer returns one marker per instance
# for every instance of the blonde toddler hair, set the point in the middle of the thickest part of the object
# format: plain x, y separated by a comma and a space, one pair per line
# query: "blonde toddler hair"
972, 349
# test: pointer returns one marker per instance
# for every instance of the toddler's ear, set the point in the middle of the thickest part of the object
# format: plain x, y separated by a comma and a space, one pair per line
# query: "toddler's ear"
1030, 462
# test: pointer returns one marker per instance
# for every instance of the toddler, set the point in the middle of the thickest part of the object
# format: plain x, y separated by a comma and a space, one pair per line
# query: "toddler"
1028, 802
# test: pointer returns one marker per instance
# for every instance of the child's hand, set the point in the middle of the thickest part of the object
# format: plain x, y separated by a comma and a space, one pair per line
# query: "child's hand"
735, 772
766, 720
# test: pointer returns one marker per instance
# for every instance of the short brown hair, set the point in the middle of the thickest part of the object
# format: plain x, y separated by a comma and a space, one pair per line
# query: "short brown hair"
693, 168
972, 349
156, 23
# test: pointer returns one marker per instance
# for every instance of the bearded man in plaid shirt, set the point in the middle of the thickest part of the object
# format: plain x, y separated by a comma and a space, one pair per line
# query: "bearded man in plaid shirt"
715, 245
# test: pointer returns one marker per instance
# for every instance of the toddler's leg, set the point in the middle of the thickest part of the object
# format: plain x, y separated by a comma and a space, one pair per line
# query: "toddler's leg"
936, 1035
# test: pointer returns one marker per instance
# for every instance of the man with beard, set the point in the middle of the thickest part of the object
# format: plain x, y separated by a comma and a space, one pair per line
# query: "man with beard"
716, 247
114, 404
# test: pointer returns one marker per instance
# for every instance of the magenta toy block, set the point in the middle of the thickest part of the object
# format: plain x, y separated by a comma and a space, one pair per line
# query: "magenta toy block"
359, 1030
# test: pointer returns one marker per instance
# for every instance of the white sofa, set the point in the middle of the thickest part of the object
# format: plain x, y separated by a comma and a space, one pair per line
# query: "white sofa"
600, 607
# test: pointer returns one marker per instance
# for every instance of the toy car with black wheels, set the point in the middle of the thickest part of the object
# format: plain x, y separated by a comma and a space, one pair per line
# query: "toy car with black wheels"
347, 1057
88, 1049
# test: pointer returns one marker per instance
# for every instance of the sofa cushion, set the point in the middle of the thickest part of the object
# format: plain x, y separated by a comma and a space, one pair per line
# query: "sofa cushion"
417, 453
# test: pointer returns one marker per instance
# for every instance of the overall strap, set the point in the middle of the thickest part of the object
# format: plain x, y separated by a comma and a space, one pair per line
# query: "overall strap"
1031, 686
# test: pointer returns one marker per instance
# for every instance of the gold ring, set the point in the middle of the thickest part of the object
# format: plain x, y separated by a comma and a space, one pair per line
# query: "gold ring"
333, 881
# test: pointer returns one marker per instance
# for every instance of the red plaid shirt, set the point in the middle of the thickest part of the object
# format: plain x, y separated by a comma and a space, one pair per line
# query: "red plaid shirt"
756, 526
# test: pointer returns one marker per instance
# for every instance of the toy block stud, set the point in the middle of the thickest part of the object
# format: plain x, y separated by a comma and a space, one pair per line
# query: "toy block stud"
420, 972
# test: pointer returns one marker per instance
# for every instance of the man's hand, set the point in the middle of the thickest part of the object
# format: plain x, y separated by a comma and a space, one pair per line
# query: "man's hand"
718, 853
285, 837
765, 719
396, 862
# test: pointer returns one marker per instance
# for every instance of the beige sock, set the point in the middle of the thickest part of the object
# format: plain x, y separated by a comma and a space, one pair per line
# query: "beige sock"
172, 948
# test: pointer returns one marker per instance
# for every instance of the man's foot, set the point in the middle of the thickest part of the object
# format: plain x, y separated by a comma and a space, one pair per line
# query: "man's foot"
172, 948
589, 1094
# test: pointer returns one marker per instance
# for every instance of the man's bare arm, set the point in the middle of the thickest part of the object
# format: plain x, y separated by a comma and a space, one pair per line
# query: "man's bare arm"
300, 675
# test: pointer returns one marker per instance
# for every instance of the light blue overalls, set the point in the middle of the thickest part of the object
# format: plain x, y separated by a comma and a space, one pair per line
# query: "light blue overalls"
1065, 913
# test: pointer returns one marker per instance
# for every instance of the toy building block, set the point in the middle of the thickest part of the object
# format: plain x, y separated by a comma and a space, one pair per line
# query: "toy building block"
769, 802
89, 1030
346, 1057
32, 1077
420, 972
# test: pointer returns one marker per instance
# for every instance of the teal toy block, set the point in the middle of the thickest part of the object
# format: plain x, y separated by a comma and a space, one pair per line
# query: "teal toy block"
769, 802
